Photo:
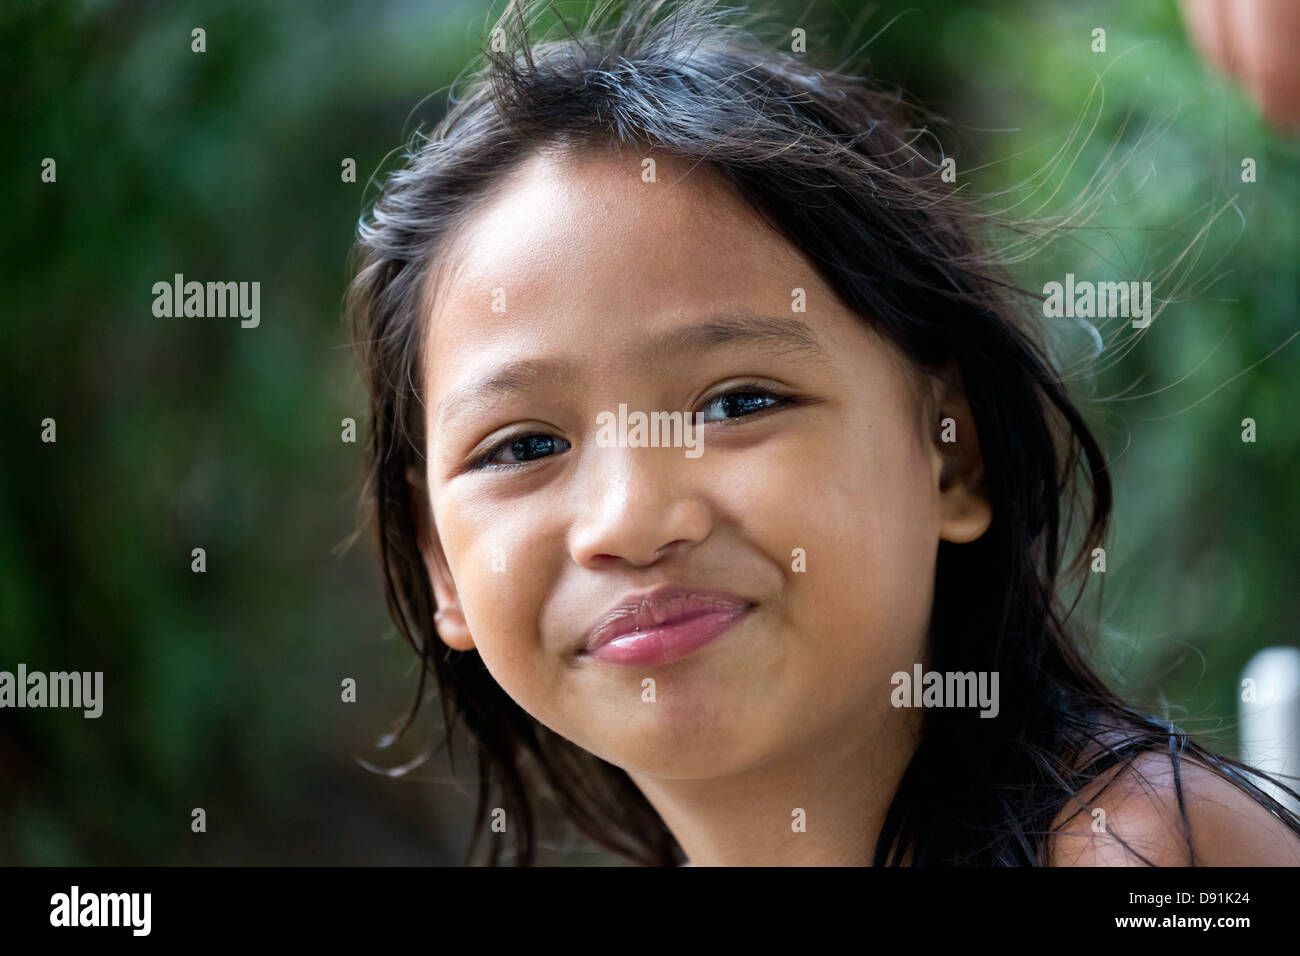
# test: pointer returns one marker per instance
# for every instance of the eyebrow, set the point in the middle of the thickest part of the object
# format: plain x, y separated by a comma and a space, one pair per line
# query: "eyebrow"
514, 377
784, 335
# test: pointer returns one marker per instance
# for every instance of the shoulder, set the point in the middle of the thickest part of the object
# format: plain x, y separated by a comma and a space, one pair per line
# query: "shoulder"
1139, 805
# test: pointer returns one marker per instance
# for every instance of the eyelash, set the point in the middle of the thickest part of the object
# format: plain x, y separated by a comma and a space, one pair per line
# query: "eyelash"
778, 400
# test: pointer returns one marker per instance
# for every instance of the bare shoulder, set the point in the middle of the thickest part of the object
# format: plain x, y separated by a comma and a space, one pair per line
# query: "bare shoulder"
1138, 804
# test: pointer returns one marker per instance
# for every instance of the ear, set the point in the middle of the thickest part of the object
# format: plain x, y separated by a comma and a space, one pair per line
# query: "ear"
964, 509
449, 618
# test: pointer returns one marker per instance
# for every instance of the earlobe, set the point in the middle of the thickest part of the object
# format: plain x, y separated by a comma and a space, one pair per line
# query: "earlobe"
451, 626
449, 618
966, 512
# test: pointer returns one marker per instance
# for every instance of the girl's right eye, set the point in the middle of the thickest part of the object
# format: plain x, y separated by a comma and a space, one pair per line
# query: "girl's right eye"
520, 450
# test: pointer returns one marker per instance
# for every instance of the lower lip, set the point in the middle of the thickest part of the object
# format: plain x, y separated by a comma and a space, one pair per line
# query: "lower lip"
668, 642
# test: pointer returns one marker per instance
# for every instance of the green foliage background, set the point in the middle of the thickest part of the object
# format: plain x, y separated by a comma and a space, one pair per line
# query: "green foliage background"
222, 689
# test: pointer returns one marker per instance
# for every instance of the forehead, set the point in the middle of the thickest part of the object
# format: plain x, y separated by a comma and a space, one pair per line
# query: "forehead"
576, 210
582, 239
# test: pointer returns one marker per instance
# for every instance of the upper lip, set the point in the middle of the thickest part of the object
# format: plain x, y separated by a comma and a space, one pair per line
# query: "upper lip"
665, 605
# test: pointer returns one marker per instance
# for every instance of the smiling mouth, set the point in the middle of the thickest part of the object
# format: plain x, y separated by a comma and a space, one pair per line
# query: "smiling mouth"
663, 626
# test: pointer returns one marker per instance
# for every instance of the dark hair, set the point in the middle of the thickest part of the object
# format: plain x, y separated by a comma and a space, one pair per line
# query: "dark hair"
837, 168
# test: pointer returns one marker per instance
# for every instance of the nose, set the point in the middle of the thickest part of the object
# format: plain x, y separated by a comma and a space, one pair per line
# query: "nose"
638, 505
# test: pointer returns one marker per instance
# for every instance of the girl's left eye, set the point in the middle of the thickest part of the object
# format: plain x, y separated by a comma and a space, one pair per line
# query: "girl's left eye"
742, 402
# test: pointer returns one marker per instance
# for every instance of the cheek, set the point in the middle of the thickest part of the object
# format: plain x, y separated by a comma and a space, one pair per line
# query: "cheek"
857, 501
498, 560
854, 500
887, 532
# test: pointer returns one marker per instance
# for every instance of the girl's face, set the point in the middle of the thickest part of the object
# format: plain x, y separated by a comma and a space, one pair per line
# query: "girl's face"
814, 504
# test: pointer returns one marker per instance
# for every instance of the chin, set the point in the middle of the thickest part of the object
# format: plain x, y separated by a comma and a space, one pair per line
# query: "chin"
685, 738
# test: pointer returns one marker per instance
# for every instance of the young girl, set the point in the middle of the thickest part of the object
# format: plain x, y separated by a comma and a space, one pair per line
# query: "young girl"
719, 481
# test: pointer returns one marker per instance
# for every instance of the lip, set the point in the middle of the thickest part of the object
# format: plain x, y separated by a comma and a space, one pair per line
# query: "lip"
663, 625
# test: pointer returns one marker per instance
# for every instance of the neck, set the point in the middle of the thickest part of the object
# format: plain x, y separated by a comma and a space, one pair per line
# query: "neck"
843, 782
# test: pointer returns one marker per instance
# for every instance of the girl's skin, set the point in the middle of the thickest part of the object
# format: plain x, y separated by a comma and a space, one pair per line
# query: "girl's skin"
790, 709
